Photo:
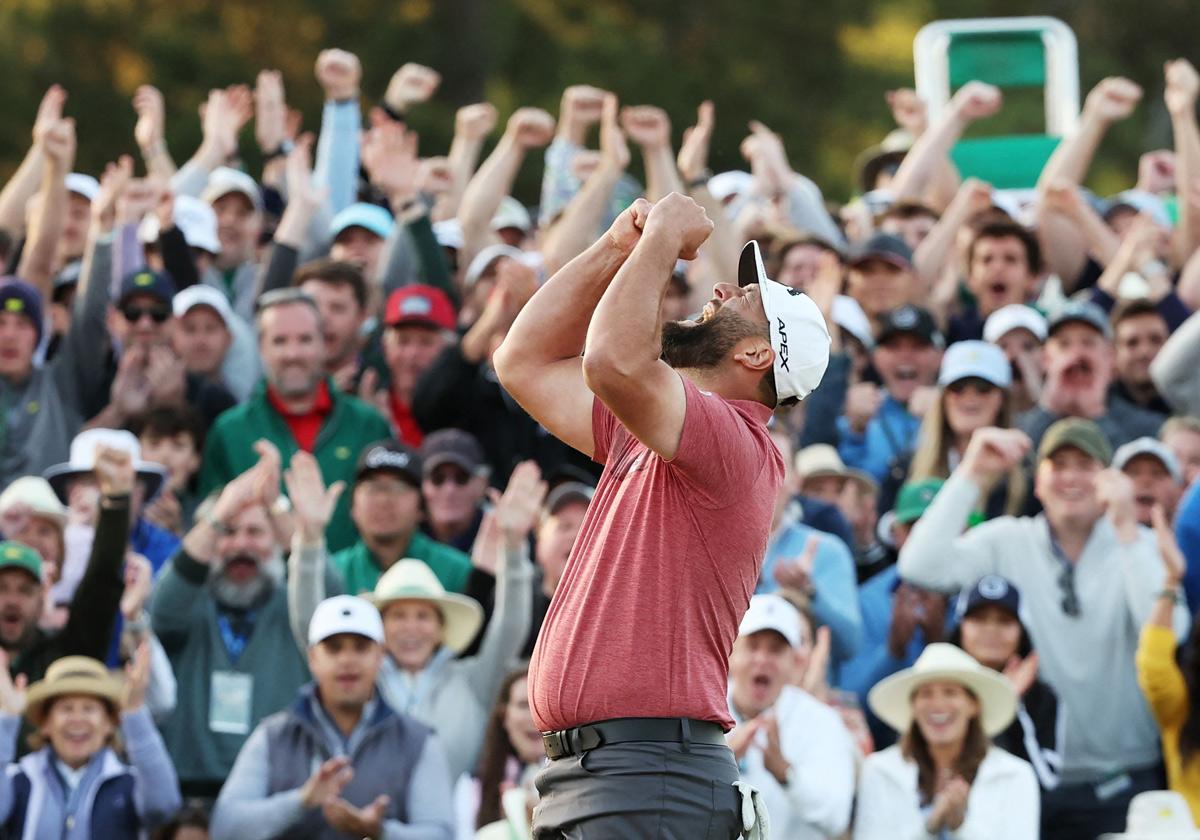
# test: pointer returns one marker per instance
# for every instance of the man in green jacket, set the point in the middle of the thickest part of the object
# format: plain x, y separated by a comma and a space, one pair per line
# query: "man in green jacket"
296, 408
386, 507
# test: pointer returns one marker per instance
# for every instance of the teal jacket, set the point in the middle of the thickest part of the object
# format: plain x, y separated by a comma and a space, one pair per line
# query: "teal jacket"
351, 425
360, 571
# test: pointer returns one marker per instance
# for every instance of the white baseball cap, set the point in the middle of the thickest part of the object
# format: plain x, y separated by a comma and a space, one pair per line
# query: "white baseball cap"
196, 220
975, 360
1012, 317
799, 335
82, 185
772, 612
1152, 447
225, 180
725, 185
512, 214
448, 233
202, 295
345, 614
849, 315
491, 253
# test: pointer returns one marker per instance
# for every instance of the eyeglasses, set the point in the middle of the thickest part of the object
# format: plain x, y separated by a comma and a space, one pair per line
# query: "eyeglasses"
459, 477
133, 313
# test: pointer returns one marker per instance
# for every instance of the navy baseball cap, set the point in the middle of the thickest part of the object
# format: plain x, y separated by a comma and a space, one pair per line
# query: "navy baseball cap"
990, 590
146, 282
910, 320
21, 298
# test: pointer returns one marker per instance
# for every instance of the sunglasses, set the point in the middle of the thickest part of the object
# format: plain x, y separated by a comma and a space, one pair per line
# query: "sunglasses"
134, 313
1066, 584
979, 386
459, 477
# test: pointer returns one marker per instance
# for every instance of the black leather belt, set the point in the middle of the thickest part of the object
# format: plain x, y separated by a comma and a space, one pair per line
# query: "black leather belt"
580, 739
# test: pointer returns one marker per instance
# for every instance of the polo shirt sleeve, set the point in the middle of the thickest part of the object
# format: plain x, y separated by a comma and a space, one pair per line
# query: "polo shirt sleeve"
722, 453
605, 430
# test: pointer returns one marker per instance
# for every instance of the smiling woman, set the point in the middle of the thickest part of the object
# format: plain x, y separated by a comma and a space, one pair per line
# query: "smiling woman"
945, 775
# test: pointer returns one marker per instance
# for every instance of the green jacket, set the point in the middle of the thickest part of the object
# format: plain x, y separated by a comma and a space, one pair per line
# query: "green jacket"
351, 425
360, 570
184, 617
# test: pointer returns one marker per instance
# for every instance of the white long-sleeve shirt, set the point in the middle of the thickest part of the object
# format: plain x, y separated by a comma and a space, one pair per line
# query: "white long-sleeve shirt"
815, 803
1087, 659
1003, 803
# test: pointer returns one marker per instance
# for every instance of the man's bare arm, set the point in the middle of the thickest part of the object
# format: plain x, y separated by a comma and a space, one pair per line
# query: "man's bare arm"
539, 361
622, 365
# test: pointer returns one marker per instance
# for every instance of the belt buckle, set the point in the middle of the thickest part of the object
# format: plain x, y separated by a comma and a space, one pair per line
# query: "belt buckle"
553, 742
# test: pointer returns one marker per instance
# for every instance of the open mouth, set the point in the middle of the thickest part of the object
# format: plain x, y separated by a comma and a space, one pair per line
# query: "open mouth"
1145, 500
906, 373
1079, 374
998, 289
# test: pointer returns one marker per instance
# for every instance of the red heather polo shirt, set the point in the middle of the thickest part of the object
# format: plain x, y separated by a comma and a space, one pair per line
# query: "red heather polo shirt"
648, 607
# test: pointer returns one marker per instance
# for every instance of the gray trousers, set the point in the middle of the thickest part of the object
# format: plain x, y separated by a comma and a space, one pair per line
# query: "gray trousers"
643, 790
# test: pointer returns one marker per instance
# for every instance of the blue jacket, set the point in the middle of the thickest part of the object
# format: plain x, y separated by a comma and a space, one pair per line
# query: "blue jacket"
114, 801
835, 599
890, 433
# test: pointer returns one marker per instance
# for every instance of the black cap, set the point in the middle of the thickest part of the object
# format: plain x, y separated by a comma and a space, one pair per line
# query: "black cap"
883, 246
990, 590
452, 446
389, 456
147, 282
910, 320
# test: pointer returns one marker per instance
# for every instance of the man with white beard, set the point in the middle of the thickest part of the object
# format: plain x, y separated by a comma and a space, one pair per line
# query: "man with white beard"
220, 611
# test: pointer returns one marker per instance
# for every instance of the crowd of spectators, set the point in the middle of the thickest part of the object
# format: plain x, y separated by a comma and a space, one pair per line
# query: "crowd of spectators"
277, 541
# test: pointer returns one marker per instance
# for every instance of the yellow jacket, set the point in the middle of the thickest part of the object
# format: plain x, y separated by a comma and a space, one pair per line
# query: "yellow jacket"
1167, 693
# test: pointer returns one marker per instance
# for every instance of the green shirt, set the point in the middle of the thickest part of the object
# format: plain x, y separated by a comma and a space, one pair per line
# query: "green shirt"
360, 570
350, 426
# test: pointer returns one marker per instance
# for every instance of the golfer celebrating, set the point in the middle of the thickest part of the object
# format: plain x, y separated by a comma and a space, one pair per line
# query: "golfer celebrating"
628, 679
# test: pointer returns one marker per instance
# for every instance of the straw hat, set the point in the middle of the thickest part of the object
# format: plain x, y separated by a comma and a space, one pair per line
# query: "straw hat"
1157, 815
413, 580
71, 675
891, 699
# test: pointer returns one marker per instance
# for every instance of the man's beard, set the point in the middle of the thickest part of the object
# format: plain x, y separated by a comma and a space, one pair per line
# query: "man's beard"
240, 596
706, 344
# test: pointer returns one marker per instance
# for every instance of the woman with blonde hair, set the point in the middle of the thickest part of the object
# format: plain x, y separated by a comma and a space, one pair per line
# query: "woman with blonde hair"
945, 778
973, 393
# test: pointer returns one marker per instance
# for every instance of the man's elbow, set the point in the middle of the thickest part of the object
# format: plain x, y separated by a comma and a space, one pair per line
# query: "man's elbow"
506, 362
607, 373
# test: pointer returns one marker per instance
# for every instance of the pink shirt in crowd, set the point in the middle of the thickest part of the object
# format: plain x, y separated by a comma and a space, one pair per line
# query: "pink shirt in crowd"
643, 621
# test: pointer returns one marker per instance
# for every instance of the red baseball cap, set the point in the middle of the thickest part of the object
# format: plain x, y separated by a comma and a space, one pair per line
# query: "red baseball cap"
419, 304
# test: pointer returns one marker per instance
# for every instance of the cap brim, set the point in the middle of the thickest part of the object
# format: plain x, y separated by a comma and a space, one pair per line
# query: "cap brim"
40, 693
881, 256
58, 476
434, 461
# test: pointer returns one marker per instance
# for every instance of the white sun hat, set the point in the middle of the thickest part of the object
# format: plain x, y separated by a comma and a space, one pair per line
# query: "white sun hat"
413, 580
799, 335
891, 698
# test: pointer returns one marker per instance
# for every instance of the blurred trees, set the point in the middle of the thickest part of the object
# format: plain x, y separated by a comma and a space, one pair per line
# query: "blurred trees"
816, 72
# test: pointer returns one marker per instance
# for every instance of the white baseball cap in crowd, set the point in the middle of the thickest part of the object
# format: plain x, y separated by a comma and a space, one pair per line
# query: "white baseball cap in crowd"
345, 614
196, 220
82, 185
772, 612
512, 214
202, 295
975, 360
225, 180
1013, 317
726, 185
799, 335
849, 315
484, 259
448, 233
1152, 447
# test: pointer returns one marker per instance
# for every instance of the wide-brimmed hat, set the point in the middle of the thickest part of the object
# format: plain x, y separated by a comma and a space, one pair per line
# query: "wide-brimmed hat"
891, 699
72, 675
413, 580
35, 493
1157, 815
83, 460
